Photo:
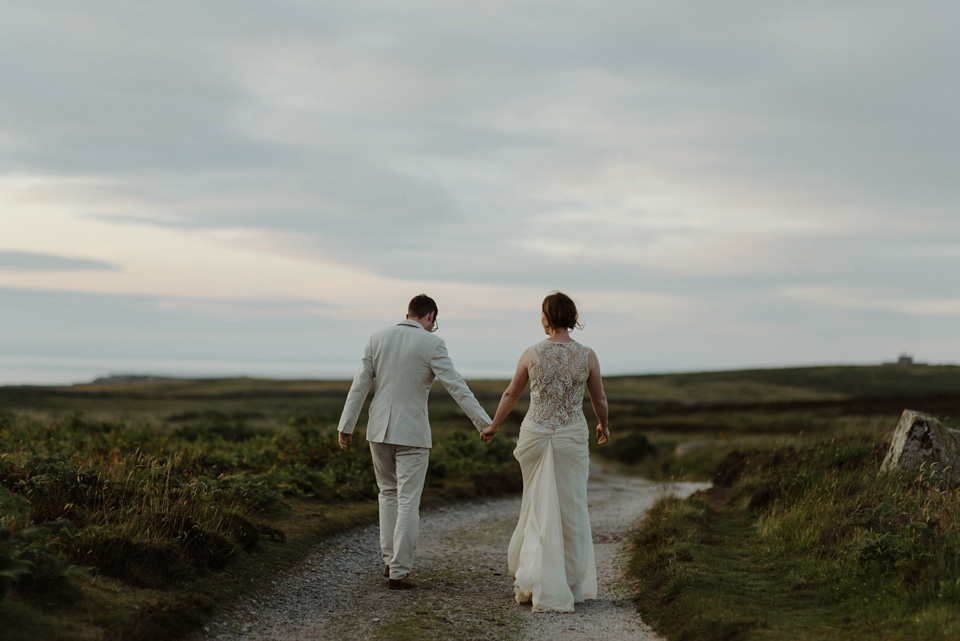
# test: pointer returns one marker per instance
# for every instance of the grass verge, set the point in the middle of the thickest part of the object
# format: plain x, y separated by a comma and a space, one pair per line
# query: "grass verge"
805, 543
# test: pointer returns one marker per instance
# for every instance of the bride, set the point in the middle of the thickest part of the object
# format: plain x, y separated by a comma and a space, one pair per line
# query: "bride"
551, 551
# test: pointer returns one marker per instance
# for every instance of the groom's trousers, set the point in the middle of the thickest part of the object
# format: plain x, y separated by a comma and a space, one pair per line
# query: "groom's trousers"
401, 471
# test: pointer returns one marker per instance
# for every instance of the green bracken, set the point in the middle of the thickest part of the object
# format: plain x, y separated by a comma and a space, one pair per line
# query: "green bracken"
84, 503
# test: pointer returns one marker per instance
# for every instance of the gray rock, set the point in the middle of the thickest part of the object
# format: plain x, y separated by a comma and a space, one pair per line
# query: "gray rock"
922, 443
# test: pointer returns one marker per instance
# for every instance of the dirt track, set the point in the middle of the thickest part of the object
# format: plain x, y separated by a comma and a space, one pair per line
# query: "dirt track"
464, 589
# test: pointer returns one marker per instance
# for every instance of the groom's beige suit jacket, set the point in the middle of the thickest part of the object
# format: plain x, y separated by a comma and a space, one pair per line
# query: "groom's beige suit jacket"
404, 360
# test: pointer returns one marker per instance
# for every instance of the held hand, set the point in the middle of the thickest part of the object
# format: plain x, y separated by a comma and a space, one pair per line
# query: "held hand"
603, 433
345, 440
486, 434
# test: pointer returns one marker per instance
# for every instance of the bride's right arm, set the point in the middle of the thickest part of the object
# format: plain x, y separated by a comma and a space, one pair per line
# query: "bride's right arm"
512, 394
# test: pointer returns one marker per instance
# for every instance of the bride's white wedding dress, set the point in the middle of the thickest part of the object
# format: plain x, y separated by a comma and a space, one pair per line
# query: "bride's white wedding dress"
551, 551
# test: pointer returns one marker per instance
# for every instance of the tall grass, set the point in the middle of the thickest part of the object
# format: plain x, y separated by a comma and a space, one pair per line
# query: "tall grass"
155, 508
805, 542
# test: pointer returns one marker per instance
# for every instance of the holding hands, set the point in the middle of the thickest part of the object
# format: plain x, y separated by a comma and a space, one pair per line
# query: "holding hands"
486, 434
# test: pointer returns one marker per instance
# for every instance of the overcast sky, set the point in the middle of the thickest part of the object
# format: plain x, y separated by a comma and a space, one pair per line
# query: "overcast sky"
238, 187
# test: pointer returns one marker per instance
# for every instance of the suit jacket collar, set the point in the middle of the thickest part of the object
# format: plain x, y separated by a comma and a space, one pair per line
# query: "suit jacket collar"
410, 323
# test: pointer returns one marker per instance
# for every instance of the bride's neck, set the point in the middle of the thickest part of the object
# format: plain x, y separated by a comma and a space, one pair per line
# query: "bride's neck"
559, 335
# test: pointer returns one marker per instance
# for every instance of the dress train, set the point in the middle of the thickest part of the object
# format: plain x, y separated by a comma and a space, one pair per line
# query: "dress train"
551, 554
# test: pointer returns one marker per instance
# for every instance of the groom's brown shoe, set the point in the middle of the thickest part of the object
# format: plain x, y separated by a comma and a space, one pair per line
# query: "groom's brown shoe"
406, 583
386, 571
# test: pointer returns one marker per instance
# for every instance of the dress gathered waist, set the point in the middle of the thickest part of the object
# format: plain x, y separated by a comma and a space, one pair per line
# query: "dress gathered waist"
578, 431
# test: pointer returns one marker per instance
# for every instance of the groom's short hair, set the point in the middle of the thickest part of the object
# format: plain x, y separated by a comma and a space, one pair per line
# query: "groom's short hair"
421, 305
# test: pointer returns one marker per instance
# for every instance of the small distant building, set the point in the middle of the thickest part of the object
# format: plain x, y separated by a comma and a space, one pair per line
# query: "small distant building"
905, 360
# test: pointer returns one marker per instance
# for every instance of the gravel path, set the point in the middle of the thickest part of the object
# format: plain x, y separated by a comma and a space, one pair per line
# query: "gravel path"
464, 591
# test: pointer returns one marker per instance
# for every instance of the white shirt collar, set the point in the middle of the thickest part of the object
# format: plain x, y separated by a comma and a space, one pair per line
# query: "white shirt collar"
410, 323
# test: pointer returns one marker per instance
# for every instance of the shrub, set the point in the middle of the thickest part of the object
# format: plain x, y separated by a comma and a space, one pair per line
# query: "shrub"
30, 554
630, 448
155, 508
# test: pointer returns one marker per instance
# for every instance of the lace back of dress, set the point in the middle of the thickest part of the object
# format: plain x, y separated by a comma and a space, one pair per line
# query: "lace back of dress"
558, 375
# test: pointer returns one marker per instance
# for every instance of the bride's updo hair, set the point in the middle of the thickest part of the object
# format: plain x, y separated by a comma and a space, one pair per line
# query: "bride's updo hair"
560, 311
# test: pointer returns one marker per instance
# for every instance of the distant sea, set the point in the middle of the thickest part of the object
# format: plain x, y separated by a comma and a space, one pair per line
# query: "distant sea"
69, 371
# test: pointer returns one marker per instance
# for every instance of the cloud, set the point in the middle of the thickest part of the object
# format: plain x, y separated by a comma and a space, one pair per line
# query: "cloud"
340, 117
874, 301
735, 171
248, 309
34, 262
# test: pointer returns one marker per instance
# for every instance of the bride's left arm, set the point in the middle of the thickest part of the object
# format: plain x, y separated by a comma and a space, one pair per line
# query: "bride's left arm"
598, 398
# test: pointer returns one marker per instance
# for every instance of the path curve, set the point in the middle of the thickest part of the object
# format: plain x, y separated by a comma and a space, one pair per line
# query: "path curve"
464, 591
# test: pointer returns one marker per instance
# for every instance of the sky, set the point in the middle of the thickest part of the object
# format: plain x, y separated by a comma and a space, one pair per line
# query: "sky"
252, 188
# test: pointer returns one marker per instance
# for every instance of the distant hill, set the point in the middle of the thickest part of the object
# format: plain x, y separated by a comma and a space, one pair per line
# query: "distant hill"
874, 384
797, 384
119, 379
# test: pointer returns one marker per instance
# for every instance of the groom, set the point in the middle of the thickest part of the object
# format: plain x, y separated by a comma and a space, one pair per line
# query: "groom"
404, 360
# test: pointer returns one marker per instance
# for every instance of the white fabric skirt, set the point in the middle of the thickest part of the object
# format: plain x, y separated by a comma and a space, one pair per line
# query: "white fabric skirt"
551, 552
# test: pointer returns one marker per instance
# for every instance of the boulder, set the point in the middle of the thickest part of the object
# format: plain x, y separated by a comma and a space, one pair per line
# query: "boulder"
921, 442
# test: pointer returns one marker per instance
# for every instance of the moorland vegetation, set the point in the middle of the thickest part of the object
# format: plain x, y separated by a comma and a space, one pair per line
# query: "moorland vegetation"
129, 510
800, 537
